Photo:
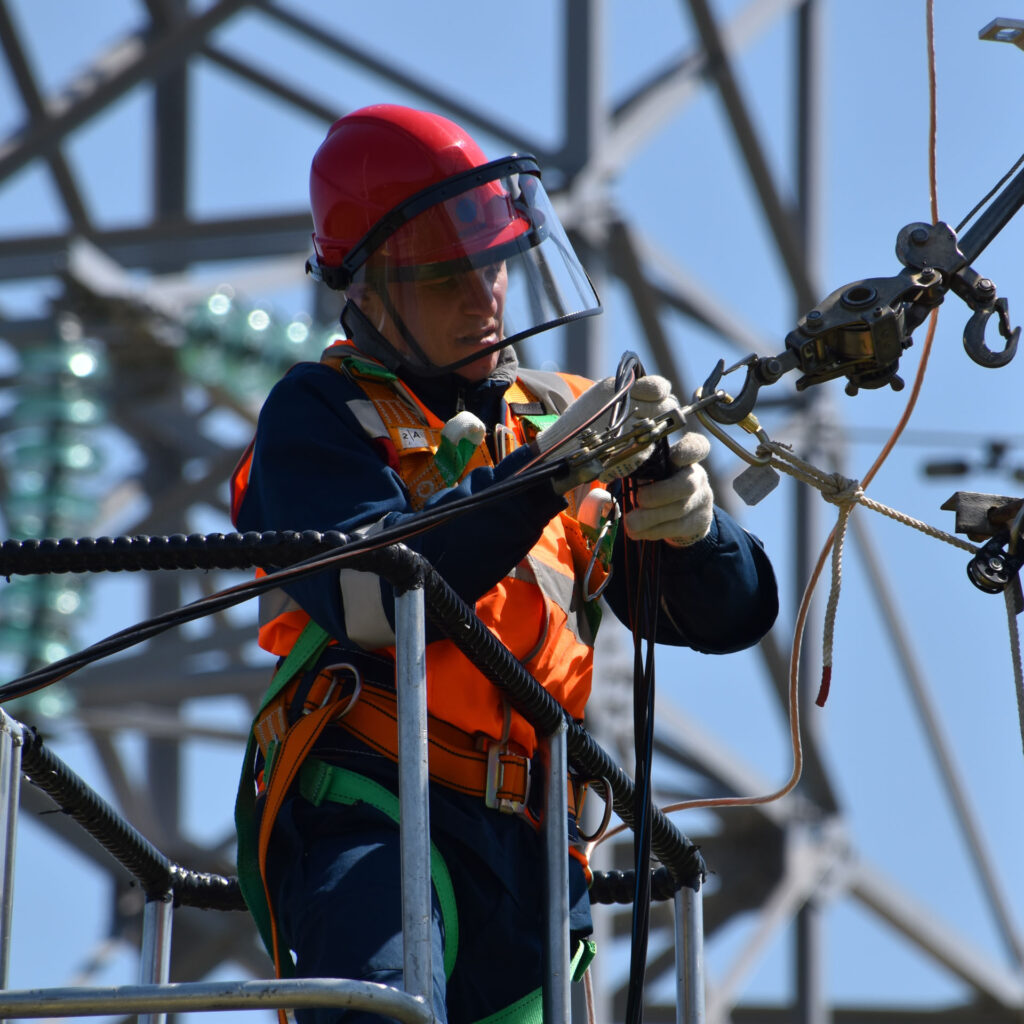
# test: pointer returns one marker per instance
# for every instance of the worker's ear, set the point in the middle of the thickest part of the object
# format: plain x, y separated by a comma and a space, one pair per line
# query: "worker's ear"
368, 301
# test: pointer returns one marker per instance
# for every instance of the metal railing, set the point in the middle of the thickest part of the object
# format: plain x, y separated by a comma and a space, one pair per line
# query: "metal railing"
419, 591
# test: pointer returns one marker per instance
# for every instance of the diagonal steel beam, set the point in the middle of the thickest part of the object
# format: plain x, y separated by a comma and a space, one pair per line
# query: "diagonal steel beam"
269, 84
779, 213
18, 64
649, 108
133, 61
811, 860
932, 936
942, 751
624, 260
469, 117
675, 287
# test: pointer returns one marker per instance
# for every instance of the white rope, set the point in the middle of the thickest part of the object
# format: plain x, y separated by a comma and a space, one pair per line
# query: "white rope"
839, 490
1018, 675
845, 493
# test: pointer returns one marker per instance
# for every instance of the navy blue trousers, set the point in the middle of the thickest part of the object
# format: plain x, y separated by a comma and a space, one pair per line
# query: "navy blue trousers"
334, 876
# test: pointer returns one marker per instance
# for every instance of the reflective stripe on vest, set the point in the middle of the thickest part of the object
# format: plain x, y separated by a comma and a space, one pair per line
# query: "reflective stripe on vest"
537, 610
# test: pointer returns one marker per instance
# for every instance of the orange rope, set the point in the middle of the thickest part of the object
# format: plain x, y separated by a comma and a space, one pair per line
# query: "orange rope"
801, 620
926, 351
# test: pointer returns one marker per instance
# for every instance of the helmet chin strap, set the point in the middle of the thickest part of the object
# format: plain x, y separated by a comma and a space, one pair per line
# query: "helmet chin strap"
359, 328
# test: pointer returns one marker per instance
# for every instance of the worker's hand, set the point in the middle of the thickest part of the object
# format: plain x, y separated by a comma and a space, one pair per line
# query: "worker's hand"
648, 397
678, 509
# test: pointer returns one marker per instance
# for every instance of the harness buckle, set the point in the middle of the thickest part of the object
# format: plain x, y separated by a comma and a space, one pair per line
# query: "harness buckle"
496, 769
496, 778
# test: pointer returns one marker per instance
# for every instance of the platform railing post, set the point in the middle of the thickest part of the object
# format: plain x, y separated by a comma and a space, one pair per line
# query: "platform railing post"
155, 956
10, 796
557, 995
413, 779
689, 913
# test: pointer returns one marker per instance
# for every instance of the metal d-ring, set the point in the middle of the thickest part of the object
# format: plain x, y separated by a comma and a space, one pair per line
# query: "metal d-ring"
353, 697
735, 446
592, 837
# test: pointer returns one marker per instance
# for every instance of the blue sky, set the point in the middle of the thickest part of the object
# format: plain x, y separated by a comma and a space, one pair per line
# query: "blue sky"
687, 192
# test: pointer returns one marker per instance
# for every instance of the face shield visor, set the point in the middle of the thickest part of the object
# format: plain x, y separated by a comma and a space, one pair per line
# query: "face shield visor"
469, 266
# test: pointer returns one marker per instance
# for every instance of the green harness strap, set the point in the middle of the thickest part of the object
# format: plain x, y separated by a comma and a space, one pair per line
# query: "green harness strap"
308, 647
319, 781
530, 1008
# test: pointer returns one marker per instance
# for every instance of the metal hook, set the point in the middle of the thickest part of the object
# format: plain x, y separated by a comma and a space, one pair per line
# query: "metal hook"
974, 336
742, 404
606, 525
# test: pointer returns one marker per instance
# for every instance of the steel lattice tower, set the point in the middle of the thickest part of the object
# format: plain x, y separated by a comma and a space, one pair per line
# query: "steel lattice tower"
122, 292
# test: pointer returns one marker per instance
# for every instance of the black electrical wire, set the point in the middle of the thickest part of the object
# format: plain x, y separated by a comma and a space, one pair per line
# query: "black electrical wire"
644, 625
645, 582
121, 554
120, 551
992, 191
681, 859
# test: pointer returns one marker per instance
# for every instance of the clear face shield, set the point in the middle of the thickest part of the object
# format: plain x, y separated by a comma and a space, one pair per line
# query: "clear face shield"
471, 265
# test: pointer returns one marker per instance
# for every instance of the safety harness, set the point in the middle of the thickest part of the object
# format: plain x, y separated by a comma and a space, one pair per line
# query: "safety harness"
299, 705
317, 684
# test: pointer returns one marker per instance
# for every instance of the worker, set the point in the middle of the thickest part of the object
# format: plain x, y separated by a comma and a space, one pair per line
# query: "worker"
447, 262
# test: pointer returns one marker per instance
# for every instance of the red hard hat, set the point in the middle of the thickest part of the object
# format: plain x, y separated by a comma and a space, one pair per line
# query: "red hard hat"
374, 160
404, 200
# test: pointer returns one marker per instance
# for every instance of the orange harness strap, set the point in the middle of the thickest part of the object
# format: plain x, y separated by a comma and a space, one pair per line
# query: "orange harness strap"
294, 749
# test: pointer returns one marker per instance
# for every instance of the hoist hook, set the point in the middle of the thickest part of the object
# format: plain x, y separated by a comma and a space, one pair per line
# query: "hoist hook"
732, 410
974, 336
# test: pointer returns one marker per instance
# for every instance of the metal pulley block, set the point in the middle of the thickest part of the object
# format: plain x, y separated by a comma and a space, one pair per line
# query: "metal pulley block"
996, 565
993, 568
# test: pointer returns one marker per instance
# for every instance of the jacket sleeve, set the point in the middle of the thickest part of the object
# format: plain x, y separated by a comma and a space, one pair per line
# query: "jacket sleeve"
716, 596
314, 468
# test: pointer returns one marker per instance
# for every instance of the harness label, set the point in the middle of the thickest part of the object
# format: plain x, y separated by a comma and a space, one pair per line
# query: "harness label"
412, 437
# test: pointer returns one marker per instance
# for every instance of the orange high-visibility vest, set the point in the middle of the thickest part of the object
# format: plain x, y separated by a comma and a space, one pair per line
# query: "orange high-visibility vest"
538, 610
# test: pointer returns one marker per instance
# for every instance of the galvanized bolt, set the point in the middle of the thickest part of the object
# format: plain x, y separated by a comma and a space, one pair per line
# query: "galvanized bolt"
876, 312
995, 564
985, 285
926, 274
919, 236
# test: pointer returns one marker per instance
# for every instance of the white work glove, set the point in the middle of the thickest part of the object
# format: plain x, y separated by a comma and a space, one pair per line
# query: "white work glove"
678, 509
648, 397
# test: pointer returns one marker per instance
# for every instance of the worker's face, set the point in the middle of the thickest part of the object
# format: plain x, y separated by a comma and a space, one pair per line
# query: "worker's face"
449, 317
